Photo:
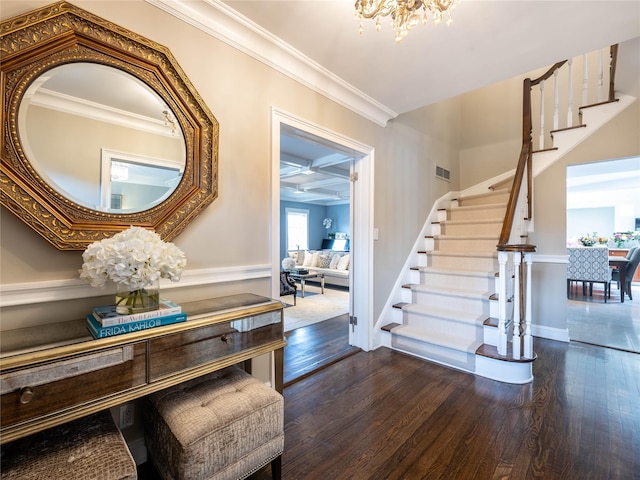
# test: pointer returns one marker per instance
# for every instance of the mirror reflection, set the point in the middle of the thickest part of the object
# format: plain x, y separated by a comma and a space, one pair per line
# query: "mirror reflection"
101, 138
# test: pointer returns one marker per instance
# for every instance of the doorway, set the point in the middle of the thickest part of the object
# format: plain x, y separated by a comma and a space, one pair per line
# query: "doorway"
603, 198
360, 213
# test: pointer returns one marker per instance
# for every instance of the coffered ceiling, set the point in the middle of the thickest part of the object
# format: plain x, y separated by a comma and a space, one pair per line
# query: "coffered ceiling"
312, 169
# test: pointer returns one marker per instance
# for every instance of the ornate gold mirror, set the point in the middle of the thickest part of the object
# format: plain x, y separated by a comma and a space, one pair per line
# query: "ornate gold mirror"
101, 130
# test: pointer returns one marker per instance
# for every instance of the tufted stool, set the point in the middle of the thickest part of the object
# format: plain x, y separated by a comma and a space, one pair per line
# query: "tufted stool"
89, 448
224, 425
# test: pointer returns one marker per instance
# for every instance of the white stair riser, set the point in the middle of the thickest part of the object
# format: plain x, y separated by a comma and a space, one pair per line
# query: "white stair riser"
457, 281
448, 356
463, 244
485, 228
429, 244
490, 335
421, 260
494, 308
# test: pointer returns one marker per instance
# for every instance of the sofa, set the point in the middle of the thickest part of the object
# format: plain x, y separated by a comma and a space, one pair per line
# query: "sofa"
334, 265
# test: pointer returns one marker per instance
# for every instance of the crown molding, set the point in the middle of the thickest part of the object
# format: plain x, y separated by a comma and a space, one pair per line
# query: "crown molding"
222, 22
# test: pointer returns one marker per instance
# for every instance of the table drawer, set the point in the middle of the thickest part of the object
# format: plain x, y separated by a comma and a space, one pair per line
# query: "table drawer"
33, 392
182, 351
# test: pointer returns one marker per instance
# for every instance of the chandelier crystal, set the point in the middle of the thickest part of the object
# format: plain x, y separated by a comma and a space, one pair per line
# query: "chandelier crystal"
405, 14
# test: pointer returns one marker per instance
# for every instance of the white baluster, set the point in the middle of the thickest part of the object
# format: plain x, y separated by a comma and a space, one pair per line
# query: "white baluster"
528, 337
517, 341
600, 76
502, 302
570, 101
541, 137
556, 100
585, 81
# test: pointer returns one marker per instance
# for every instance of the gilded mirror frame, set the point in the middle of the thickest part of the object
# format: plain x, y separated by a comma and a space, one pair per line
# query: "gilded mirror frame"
62, 33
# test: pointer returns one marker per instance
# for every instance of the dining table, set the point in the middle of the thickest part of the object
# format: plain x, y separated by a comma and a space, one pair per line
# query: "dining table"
621, 264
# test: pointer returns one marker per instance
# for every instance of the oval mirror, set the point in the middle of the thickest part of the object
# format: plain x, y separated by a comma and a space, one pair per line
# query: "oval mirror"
102, 130
101, 137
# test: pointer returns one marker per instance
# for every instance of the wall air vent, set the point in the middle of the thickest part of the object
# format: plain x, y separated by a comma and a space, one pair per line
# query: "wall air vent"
443, 173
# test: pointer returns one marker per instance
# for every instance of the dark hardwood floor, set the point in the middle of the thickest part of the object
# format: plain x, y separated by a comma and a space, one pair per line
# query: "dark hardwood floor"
315, 347
386, 415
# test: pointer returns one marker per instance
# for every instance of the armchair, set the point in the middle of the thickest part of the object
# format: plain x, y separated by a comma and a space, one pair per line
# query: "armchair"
287, 286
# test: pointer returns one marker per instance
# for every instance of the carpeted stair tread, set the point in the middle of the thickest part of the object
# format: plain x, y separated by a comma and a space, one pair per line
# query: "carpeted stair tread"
466, 253
471, 222
479, 207
488, 193
471, 238
457, 272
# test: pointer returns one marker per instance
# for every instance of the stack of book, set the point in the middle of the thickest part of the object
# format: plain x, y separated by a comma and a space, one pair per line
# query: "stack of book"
106, 322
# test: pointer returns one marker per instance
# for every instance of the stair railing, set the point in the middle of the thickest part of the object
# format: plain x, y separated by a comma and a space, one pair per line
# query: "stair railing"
514, 253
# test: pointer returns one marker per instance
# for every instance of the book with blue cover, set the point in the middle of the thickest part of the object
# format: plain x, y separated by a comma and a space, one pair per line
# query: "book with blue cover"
107, 315
98, 331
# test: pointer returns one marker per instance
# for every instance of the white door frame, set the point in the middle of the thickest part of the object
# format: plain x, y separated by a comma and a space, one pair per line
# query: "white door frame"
361, 264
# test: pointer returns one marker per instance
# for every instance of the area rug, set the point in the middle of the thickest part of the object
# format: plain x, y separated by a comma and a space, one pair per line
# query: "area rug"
315, 307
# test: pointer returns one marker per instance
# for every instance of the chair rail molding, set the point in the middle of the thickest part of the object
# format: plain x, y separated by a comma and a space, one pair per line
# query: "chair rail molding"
15, 294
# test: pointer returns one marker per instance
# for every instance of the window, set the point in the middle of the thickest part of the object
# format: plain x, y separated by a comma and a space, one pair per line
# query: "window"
297, 229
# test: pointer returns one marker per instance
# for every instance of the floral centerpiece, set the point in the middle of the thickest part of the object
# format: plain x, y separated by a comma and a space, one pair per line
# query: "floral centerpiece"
134, 260
591, 240
623, 238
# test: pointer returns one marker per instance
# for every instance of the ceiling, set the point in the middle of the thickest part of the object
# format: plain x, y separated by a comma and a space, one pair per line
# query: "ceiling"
489, 41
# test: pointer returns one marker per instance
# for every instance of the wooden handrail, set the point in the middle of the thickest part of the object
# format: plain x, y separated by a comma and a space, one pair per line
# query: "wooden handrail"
526, 153
613, 51
548, 74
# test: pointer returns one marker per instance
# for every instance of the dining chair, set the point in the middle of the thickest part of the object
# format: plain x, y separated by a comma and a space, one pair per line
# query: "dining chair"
634, 259
589, 265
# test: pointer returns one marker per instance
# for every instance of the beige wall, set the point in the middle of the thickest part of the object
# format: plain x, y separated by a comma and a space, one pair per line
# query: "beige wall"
490, 144
475, 135
236, 229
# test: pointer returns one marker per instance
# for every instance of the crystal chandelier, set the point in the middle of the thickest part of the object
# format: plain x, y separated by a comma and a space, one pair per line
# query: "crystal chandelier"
405, 14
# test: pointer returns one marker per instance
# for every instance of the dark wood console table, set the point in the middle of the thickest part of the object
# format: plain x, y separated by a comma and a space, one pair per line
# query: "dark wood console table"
56, 373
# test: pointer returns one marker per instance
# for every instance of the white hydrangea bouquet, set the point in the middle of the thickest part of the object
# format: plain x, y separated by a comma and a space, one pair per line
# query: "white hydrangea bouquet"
133, 260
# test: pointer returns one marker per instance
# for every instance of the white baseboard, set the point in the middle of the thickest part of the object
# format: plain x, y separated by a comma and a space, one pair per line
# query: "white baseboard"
551, 333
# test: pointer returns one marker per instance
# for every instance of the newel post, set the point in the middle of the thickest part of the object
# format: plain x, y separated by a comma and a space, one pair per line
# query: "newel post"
503, 257
528, 337
517, 297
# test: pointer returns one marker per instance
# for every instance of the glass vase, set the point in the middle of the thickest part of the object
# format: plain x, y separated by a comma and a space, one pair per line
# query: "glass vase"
136, 301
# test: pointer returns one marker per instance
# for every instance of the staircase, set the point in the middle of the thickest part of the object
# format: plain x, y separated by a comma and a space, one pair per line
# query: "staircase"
448, 313
447, 305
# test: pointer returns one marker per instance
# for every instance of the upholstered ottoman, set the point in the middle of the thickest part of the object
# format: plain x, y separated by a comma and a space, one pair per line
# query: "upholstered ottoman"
88, 448
224, 425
